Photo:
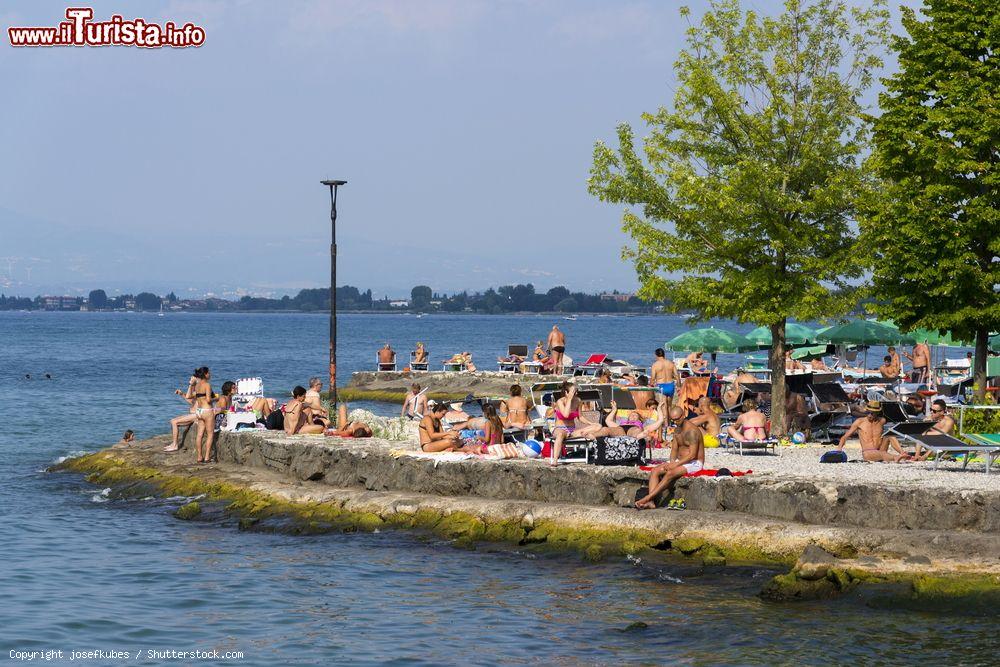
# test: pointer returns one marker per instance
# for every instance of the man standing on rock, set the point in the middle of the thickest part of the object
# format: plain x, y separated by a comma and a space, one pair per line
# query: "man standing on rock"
664, 375
557, 348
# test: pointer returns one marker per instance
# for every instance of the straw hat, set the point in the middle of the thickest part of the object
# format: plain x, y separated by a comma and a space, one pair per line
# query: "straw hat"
873, 406
457, 407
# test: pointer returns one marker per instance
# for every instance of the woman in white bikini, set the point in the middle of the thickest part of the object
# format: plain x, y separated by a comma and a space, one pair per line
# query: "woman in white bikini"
202, 394
188, 418
517, 409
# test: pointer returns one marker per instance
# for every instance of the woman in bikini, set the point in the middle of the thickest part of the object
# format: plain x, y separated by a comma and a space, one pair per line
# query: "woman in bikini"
751, 426
609, 426
190, 417
223, 402
348, 429
492, 428
517, 409
205, 414
567, 412
433, 438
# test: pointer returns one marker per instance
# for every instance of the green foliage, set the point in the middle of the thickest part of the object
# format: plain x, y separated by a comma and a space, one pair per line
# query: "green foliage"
147, 301
97, 299
740, 204
935, 236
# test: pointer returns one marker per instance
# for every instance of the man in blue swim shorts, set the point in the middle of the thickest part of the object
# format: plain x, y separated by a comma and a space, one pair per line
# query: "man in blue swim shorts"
664, 375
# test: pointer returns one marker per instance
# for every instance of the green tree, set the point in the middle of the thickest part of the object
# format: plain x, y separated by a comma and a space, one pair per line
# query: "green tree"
420, 296
741, 204
936, 237
147, 301
98, 299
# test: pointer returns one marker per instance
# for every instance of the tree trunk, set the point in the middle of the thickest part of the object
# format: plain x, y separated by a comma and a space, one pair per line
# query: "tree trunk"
777, 363
979, 376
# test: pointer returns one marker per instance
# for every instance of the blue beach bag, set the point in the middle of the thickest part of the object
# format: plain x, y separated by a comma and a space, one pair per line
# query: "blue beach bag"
834, 456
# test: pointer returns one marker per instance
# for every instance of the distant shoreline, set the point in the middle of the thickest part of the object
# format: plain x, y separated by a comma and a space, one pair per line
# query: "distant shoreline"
519, 313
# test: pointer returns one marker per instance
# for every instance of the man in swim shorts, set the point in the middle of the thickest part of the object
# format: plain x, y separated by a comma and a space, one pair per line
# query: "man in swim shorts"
708, 421
874, 445
687, 455
664, 375
557, 347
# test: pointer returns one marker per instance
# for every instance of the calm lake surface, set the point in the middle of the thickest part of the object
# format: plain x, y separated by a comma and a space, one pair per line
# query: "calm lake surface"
81, 572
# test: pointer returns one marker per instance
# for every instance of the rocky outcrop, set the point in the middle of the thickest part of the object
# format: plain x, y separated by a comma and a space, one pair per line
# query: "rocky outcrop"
371, 465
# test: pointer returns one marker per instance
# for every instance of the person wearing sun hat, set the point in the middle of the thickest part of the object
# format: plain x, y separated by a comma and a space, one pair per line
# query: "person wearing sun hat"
874, 445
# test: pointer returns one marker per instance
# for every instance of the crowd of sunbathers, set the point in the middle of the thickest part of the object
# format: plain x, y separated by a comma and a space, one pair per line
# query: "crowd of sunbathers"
303, 413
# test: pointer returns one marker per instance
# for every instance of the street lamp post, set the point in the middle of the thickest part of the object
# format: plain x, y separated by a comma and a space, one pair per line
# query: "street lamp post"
333, 185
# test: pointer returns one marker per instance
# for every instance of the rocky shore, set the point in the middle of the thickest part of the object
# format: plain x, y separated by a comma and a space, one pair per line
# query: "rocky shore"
925, 541
392, 386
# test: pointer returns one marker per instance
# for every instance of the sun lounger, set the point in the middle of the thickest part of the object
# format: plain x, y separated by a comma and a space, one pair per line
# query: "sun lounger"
741, 447
946, 444
592, 365
520, 351
384, 365
450, 366
418, 366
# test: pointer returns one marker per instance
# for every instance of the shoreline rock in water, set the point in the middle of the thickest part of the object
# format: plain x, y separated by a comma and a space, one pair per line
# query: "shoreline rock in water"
321, 484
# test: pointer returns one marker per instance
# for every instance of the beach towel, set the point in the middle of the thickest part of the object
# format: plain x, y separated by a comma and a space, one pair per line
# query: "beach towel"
693, 388
505, 451
704, 472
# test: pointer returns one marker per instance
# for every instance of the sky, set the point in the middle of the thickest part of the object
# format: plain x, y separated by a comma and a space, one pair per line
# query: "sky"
464, 128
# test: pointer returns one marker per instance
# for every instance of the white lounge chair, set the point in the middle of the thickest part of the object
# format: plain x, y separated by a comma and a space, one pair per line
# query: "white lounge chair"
385, 366
418, 366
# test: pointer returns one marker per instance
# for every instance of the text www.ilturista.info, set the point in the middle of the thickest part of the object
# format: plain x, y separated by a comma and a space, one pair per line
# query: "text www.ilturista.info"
80, 30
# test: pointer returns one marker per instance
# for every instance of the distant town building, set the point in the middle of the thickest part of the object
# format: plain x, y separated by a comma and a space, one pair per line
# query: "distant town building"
401, 303
615, 296
60, 303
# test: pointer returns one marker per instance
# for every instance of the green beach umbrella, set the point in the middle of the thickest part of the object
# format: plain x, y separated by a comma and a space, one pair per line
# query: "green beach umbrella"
935, 337
710, 340
864, 332
809, 352
795, 334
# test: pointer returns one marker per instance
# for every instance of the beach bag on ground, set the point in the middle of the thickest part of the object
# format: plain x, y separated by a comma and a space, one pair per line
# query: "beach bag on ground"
834, 456
275, 421
617, 451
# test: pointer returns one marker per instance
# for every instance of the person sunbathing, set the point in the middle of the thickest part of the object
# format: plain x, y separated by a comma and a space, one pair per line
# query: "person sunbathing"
386, 355
314, 403
708, 421
751, 426
127, 438
642, 397
297, 421
433, 437
818, 364
415, 403
346, 428
792, 364
608, 426
874, 445
944, 424
567, 414
187, 418
420, 354
696, 362
516, 409
687, 455
651, 428
888, 369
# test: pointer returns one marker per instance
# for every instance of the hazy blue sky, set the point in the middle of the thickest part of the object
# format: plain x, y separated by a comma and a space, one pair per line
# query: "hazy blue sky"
464, 128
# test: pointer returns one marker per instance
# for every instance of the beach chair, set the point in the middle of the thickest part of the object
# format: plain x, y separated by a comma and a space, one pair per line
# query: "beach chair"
735, 446
247, 391
592, 365
418, 366
449, 366
947, 444
385, 366
513, 366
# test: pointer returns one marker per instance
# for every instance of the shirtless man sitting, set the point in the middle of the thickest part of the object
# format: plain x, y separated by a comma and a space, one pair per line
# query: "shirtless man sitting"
687, 455
944, 424
386, 355
708, 421
888, 369
751, 426
314, 403
297, 421
664, 375
874, 445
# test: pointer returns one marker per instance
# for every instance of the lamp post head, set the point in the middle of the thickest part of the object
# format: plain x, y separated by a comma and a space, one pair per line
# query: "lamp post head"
333, 183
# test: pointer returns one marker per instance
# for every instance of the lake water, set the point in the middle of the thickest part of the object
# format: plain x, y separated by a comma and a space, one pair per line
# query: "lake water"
81, 572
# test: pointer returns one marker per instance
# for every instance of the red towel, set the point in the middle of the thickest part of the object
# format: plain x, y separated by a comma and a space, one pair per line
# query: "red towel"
704, 472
